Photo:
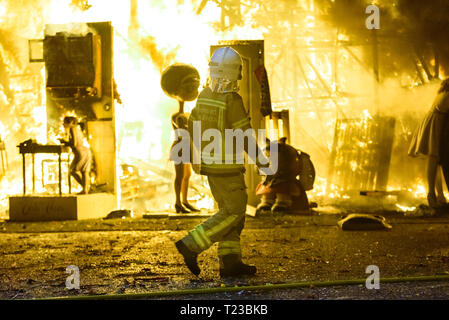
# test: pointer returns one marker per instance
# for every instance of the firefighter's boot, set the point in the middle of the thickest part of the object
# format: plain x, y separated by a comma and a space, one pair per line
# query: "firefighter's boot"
190, 257
232, 266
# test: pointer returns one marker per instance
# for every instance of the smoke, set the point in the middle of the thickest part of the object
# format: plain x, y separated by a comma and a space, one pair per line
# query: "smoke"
9, 58
69, 29
413, 54
412, 57
410, 31
408, 107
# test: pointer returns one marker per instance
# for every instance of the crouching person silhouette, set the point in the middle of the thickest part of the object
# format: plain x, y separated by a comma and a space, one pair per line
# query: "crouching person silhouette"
283, 192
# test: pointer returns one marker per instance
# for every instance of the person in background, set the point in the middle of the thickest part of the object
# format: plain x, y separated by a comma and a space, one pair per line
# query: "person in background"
183, 171
181, 81
81, 164
428, 140
444, 145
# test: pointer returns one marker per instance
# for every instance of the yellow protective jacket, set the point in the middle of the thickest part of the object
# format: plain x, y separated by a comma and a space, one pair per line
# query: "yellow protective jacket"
219, 111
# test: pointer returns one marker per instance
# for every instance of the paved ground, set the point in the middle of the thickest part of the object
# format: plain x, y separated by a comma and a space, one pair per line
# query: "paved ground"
434, 290
137, 255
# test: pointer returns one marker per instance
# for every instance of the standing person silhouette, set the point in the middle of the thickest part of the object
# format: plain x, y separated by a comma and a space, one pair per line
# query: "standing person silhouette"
181, 81
80, 166
428, 140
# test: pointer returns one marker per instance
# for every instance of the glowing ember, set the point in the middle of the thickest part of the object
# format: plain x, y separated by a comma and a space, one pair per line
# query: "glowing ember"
405, 208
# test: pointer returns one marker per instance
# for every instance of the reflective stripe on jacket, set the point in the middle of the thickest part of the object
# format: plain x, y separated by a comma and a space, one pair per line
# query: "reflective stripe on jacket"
219, 111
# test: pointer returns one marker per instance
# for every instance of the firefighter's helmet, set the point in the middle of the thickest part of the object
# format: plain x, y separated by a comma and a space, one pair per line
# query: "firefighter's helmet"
226, 63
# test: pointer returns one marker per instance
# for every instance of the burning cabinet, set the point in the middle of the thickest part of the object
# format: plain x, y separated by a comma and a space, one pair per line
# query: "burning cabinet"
79, 81
252, 53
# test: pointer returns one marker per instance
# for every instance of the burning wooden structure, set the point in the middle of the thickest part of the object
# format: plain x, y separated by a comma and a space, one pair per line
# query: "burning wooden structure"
360, 158
78, 59
79, 81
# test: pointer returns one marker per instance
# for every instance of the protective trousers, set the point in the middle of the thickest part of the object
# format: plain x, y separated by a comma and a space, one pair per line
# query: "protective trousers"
227, 224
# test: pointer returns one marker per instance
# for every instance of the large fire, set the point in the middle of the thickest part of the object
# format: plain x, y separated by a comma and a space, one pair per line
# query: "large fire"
150, 35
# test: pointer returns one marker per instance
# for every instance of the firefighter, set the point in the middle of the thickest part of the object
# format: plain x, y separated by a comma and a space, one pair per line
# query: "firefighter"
219, 106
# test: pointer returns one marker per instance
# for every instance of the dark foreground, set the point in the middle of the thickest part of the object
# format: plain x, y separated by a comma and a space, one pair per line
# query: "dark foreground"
137, 256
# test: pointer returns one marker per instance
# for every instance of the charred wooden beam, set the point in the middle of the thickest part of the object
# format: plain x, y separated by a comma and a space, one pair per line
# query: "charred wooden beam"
325, 86
423, 62
437, 64
418, 72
